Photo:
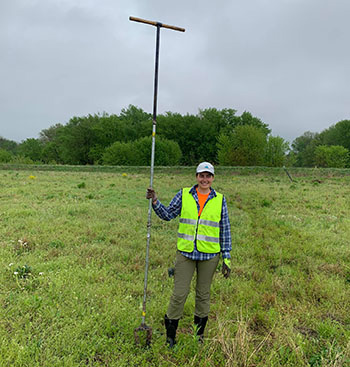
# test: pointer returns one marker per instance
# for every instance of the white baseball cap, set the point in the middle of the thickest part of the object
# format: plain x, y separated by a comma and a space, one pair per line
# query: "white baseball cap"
205, 167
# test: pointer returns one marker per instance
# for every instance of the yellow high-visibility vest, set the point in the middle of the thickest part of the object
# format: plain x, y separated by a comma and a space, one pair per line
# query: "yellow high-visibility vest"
204, 229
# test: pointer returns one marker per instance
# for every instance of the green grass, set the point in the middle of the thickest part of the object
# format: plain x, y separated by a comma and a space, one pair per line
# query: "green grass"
72, 248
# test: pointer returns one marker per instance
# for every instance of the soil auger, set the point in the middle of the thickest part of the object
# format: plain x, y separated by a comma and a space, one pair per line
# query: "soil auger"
143, 327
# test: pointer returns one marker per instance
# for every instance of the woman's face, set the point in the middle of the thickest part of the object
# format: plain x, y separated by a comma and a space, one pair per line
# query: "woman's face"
204, 180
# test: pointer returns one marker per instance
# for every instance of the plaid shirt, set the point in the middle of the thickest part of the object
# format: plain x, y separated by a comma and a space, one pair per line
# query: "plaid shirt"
174, 209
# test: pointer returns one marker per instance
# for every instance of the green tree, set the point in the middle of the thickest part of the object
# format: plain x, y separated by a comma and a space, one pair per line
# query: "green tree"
51, 143
9, 145
136, 123
304, 148
133, 124
31, 148
134, 115
245, 146
76, 139
332, 156
226, 149
338, 134
248, 119
175, 127
275, 152
290, 159
220, 119
107, 130
50, 134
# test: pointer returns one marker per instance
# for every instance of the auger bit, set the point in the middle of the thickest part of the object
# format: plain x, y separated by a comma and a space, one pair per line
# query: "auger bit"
140, 338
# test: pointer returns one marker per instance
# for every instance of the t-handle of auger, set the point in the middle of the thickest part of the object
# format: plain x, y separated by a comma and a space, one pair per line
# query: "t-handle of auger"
152, 22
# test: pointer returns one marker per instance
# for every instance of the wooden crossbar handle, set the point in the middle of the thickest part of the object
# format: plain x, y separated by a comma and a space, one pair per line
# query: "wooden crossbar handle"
151, 22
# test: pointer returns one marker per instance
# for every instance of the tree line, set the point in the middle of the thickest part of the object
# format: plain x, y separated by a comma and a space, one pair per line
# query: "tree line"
329, 148
219, 136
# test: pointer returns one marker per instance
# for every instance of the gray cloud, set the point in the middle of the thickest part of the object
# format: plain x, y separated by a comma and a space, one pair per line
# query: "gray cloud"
284, 61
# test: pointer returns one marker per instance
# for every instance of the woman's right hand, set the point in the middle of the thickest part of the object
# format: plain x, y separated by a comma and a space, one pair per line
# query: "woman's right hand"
151, 194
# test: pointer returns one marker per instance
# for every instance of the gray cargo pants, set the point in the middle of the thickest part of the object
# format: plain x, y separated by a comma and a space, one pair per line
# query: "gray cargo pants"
184, 269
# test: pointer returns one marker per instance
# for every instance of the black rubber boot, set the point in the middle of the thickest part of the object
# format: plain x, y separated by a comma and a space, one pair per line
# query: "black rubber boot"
171, 327
200, 323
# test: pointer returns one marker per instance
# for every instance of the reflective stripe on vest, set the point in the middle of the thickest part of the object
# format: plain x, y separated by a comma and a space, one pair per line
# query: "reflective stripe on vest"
206, 229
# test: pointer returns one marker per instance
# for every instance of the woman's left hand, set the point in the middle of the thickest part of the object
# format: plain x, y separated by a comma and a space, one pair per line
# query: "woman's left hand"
226, 268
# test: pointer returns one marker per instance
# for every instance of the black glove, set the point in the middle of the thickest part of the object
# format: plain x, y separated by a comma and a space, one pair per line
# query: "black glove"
171, 272
151, 194
226, 268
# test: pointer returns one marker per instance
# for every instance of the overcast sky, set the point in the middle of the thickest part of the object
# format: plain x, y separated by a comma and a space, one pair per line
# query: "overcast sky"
285, 61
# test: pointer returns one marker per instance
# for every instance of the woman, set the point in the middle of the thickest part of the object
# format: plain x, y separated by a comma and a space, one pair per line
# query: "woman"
204, 232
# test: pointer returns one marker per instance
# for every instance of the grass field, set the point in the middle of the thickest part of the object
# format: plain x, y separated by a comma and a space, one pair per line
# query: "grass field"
72, 248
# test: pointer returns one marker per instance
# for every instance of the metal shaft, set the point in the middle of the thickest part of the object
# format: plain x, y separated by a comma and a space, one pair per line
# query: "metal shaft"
149, 220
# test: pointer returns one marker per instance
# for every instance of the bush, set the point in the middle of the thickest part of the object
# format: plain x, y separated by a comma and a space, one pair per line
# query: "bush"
335, 156
138, 153
119, 154
5, 156
20, 159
